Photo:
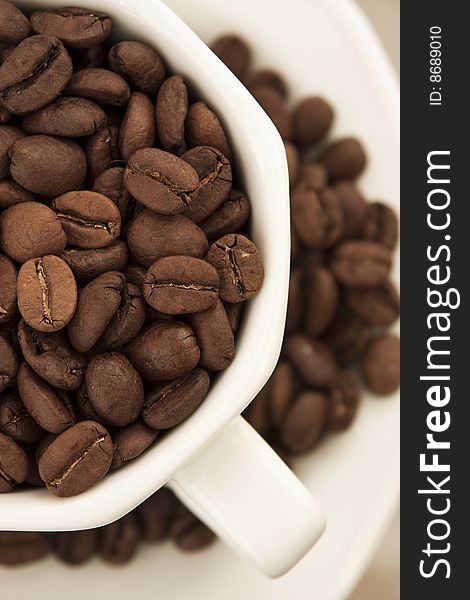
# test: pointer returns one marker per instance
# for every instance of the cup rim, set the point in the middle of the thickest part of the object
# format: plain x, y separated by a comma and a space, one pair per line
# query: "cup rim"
261, 159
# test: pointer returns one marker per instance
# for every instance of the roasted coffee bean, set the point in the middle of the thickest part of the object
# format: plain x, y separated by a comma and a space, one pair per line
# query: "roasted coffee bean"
47, 293
181, 284
344, 159
215, 176
171, 112
100, 85
89, 219
5, 51
282, 387
234, 314
102, 151
93, 56
8, 276
312, 119
111, 184
380, 365
52, 357
163, 351
188, 533
379, 306
214, 336
276, 108
48, 165
33, 478
381, 225
347, 338
67, 117
42, 446
77, 459
50, 408
5, 115
86, 264
267, 78
152, 236
16, 421
257, 412
8, 364
14, 26
139, 64
313, 175
234, 52
312, 360
168, 404
8, 137
161, 181
138, 125
114, 388
21, 547
13, 464
135, 274
11, 193
119, 540
361, 263
203, 128
74, 547
85, 407
321, 300
293, 162
154, 515
240, 268
130, 442
128, 319
97, 303
75, 27
316, 216
229, 217
305, 422
344, 397
354, 208
34, 74
295, 306
30, 229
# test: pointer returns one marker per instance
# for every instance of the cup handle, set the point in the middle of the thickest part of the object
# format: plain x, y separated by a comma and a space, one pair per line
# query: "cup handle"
242, 490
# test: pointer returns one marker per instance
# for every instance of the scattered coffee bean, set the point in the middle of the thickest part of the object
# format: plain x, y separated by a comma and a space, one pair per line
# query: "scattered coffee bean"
161, 181
119, 540
130, 442
267, 78
293, 162
137, 129
114, 388
89, 219
239, 264
295, 307
274, 105
86, 264
97, 303
344, 397
321, 300
381, 225
34, 74
155, 514
139, 64
361, 263
76, 459
379, 306
214, 336
312, 119
100, 85
74, 547
75, 27
13, 464
48, 165
188, 533
203, 128
8, 276
312, 360
344, 159
313, 175
305, 422
181, 284
52, 357
354, 208
21, 547
152, 236
282, 387
171, 112
168, 404
234, 52
380, 365
66, 117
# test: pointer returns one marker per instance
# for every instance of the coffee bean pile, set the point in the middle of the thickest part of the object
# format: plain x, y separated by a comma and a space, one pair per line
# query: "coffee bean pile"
123, 266
159, 518
341, 298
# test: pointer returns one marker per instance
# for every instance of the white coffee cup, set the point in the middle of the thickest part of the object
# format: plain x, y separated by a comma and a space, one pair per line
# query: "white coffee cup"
215, 462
